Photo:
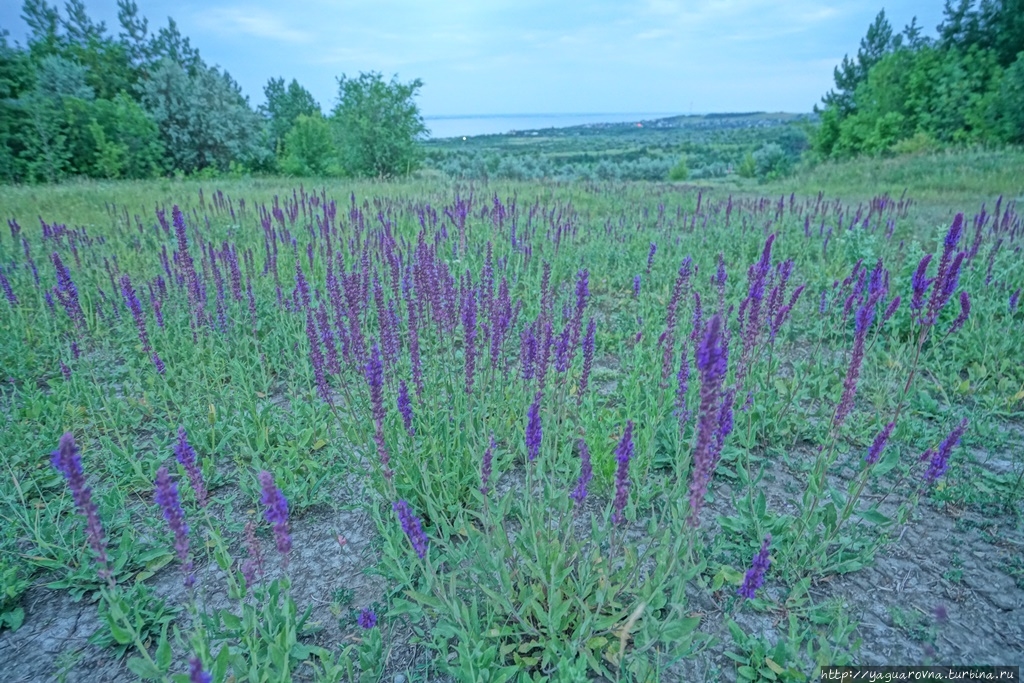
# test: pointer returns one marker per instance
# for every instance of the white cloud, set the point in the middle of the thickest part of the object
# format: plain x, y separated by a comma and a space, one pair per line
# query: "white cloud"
251, 21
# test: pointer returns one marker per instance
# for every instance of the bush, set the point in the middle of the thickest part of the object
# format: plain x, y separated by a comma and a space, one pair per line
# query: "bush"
308, 148
377, 126
680, 171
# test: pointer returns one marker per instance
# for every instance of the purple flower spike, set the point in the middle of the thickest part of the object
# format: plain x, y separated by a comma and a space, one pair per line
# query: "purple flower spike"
754, 578
412, 528
965, 312
875, 452
636, 286
367, 619
623, 454
588, 359
405, 407
940, 458
276, 512
712, 364
166, 497
920, 284
196, 674
586, 474
186, 455
533, 429
68, 461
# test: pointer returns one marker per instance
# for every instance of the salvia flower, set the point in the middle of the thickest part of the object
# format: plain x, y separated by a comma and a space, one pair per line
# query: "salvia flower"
65, 371
875, 452
375, 378
939, 460
865, 316
754, 578
276, 512
534, 432
579, 494
67, 293
1014, 299
196, 674
412, 527
8, 292
367, 619
712, 364
920, 284
252, 568
636, 286
405, 407
623, 454
68, 461
965, 312
186, 455
166, 496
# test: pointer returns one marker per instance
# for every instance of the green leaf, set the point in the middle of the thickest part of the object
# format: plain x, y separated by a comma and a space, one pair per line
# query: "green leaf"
121, 635
678, 629
163, 651
873, 516
143, 669
747, 672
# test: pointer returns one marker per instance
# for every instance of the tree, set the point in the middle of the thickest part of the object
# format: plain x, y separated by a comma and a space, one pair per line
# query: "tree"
284, 106
878, 42
204, 120
308, 148
377, 125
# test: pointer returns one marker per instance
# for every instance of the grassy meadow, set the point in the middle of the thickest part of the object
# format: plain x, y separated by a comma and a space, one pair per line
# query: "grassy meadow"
274, 429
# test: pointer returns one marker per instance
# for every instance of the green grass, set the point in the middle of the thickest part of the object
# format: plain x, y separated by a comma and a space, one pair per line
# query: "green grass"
519, 580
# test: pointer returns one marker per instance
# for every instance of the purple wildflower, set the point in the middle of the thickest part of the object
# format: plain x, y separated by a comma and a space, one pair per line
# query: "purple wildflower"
367, 619
579, 494
252, 568
67, 293
636, 286
875, 452
965, 311
135, 306
405, 407
865, 316
940, 458
485, 467
754, 578
920, 284
891, 309
158, 364
276, 512
8, 292
682, 386
469, 331
533, 428
166, 497
68, 461
186, 455
712, 364
623, 454
412, 528
375, 378
316, 359
650, 257
195, 293
196, 674
65, 371
1014, 298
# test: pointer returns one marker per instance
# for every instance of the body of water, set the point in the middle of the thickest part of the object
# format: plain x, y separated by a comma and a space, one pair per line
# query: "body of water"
493, 124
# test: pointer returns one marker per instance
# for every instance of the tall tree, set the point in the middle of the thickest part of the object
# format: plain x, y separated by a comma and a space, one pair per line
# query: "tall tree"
876, 43
284, 106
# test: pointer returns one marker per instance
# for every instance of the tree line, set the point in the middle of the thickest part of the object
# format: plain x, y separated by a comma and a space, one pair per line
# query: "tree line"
905, 92
78, 100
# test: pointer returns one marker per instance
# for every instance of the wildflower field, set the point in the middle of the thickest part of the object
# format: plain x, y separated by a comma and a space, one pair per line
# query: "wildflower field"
490, 432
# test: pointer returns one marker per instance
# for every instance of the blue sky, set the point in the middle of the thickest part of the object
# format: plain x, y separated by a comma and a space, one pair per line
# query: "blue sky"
523, 56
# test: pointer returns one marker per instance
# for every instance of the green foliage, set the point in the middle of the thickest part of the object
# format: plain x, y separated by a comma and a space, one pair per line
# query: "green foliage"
283, 108
203, 119
951, 91
680, 171
377, 125
1008, 104
309, 148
